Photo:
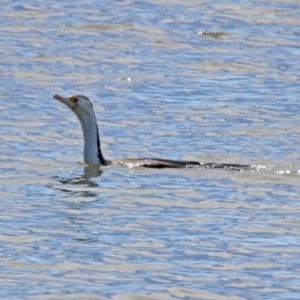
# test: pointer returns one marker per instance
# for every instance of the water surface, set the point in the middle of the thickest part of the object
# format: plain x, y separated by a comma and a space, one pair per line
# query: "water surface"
209, 82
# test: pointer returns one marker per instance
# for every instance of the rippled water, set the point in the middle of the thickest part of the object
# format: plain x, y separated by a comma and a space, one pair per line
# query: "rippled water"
208, 81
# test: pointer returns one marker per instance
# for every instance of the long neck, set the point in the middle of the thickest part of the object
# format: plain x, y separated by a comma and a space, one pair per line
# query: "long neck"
92, 152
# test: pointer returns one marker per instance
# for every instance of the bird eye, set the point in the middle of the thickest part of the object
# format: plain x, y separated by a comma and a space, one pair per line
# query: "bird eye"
75, 99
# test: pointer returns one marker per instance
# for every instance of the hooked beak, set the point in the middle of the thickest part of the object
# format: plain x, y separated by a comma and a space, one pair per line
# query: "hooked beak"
67, 101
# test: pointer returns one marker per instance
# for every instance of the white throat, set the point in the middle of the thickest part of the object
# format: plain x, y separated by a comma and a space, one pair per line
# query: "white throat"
92, 153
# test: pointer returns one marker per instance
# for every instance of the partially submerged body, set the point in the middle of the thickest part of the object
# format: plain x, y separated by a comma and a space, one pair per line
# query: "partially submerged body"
159, 163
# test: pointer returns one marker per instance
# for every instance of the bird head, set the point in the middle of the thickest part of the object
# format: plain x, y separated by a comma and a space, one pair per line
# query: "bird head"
79, 104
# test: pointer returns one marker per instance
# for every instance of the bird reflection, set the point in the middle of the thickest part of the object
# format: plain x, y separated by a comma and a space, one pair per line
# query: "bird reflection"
89, 172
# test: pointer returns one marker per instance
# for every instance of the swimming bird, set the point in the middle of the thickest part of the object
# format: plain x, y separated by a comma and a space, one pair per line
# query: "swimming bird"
82, 107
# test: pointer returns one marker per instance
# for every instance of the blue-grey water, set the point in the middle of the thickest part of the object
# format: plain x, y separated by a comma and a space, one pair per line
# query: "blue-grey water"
184, 79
